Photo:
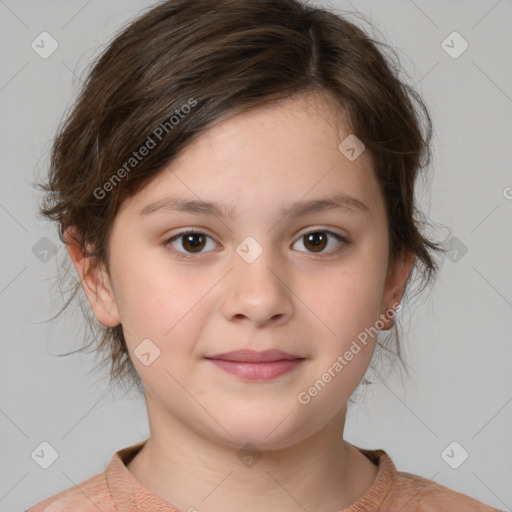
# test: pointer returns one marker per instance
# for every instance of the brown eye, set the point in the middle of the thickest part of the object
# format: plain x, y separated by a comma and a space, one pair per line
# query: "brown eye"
192, 242
317, 241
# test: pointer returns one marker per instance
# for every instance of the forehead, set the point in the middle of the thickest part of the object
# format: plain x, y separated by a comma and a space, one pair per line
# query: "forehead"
278, 153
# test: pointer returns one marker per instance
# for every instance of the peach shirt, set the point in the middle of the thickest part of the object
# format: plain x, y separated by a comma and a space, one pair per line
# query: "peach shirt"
116, 489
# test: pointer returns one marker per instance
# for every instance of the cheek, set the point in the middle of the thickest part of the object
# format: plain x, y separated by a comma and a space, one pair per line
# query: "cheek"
151, 291
160, 309
347, 301
349, 308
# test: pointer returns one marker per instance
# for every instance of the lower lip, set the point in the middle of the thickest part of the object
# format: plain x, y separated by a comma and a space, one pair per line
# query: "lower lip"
258, 371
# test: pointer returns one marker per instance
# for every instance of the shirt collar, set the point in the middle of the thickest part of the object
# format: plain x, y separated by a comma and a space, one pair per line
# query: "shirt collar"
130, 494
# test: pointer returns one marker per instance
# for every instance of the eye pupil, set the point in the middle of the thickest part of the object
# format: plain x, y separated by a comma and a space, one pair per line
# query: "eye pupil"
318, 239
189, 240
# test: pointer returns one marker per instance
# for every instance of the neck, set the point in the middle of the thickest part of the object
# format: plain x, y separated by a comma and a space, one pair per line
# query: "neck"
199, 473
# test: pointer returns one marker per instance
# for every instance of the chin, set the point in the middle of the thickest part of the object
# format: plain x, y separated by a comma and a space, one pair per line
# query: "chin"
267, 432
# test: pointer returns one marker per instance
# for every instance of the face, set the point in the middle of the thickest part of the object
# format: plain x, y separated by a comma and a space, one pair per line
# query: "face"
252, 277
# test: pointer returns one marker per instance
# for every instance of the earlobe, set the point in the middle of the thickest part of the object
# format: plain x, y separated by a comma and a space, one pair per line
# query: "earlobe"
95, 282
395, 286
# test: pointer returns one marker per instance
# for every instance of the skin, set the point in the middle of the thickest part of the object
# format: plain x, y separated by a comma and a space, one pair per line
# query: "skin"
311, 304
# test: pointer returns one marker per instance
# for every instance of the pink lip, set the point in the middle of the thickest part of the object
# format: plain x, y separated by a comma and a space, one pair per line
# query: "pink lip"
251, 356
253, 365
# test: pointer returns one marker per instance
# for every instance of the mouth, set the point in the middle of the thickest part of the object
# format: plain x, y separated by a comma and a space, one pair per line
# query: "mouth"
252, 365
251, 356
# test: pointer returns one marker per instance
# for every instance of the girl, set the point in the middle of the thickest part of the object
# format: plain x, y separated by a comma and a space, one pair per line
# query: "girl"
235, 188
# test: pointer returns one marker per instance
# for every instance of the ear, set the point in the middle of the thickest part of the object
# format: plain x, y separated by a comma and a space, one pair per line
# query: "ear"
394, 287
95, 282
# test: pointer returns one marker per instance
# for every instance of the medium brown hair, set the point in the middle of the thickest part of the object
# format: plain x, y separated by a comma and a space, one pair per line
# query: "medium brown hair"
185, 65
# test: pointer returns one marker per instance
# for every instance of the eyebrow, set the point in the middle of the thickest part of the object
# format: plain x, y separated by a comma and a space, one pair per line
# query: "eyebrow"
338, 201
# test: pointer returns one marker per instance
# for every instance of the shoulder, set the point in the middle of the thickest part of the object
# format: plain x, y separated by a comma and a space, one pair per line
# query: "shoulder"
398, 490
91, 495
413, 493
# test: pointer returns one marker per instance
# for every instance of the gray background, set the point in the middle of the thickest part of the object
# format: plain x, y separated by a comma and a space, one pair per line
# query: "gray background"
459, 342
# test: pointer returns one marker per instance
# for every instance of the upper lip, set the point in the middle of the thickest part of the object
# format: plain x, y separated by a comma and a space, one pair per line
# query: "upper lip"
251, 356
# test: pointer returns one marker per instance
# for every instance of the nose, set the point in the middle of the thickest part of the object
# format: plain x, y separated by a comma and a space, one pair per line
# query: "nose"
258, 291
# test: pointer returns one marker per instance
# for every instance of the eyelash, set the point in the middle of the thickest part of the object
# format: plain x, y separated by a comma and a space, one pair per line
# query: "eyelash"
189, 256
